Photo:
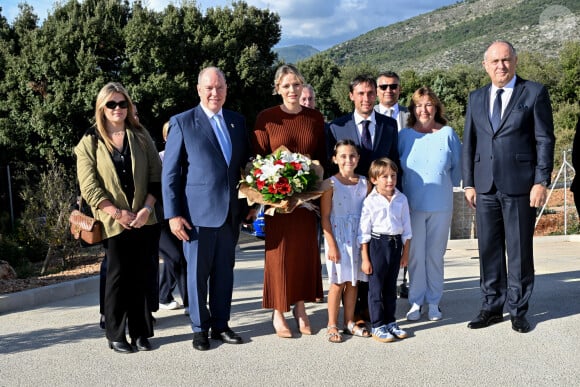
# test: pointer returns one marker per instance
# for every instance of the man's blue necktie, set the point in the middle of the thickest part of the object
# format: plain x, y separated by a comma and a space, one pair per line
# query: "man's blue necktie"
496, 113
223, 138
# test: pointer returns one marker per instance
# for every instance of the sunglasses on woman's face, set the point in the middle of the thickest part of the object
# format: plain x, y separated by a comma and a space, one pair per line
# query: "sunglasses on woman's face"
113, 104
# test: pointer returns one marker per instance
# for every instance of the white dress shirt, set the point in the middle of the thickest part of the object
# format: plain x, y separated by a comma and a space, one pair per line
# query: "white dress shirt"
225, 143
385, 110
381, 216
358, 119
505, 97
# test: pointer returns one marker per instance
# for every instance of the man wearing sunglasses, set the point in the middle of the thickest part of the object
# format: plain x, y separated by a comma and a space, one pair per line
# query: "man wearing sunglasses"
388, 91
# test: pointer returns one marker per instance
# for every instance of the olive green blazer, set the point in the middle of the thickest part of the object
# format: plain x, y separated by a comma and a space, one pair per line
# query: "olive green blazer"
99, 181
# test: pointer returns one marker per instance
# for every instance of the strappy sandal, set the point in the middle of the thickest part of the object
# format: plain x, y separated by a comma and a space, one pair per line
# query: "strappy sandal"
333, 334
358, 329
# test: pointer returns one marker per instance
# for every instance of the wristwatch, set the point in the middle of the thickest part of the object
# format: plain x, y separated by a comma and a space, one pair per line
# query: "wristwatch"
544, 183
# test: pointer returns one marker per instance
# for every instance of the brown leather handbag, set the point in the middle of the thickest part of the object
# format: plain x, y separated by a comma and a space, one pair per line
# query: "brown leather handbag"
84, 227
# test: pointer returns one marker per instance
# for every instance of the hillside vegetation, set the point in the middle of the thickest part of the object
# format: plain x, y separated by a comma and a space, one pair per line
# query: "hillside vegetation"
458, 34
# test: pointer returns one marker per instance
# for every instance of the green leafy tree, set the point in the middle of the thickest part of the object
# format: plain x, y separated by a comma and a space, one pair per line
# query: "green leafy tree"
44, 222
537, 67
239, 40
453, 87
163, 51
166, 50
11, 40
410, 81
565, 118
569, 85
51, 84
321, 72
55, 71
340, 87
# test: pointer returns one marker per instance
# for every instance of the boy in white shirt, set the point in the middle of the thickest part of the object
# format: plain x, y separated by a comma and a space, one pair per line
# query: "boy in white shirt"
384, 236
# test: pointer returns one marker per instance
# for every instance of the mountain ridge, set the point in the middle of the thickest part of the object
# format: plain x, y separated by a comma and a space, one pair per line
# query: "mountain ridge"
459, 33
295, 53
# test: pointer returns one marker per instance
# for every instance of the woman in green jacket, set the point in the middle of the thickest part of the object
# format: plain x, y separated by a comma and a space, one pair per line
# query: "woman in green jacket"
119, 173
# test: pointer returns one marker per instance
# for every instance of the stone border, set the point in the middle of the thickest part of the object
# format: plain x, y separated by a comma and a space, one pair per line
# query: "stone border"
31, 298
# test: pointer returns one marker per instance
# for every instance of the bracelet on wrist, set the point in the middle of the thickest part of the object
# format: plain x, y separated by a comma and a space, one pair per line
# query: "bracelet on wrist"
117, 214
148, 208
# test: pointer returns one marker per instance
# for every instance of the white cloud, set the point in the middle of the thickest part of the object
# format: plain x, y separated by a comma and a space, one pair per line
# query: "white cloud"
325, 23
321, 24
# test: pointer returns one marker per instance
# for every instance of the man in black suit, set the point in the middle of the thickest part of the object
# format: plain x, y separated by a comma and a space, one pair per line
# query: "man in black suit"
381, 130
376, 136
508, 156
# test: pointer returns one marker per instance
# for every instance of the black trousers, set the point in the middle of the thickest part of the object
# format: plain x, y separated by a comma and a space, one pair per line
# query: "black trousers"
505, 228
385, 255
174, 273
153, 283
129, 272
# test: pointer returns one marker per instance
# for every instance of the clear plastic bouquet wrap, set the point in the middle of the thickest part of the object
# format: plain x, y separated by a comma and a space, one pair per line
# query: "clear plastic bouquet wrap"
283, 180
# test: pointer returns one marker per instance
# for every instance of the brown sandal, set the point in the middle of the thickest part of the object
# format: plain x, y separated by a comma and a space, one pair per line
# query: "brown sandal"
333, 334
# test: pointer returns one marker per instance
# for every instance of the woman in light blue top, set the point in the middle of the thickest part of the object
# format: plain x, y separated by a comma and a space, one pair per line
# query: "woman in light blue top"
430, 154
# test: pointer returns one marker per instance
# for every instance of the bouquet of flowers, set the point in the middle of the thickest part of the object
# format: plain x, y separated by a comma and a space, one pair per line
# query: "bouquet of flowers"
283, 180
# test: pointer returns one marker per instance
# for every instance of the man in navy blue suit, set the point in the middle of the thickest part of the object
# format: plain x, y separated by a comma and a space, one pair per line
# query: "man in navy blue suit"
376, 136
508, 157
381, 129
206, 148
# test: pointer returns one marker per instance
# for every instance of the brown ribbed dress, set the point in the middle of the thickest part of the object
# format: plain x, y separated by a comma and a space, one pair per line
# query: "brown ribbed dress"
292, 265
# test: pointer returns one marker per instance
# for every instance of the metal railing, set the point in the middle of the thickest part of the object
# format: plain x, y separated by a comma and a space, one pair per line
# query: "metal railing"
561, 172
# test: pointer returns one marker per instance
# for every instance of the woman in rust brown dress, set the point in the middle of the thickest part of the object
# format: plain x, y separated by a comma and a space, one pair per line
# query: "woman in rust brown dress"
292, 265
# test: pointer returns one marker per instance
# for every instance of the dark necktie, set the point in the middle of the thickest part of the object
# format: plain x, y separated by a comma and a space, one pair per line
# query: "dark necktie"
366, 141
496, 113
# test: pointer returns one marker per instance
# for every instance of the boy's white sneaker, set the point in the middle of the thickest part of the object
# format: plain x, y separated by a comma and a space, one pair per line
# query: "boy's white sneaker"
434, 312
414, 313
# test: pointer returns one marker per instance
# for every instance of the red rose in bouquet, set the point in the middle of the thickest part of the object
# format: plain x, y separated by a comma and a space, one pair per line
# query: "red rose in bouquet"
283, 180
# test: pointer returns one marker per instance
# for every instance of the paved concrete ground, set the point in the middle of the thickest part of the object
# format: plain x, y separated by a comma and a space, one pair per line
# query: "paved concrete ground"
60, 343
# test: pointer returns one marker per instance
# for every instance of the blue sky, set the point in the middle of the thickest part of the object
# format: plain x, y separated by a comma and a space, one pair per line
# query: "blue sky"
321, 24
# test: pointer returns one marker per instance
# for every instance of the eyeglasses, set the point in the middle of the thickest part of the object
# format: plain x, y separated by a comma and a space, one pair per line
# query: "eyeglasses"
113, 104
392, 86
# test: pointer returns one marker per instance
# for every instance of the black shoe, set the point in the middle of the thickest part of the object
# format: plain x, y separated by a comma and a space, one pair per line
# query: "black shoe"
200, 341
520, 324
142, 344
102, 322
227, 336
484, 319
121, 346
